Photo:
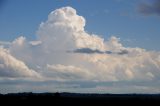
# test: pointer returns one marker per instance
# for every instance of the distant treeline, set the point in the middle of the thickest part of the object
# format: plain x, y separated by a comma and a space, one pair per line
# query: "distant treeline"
74, 99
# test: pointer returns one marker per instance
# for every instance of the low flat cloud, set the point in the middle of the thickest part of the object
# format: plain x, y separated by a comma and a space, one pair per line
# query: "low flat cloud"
88, 51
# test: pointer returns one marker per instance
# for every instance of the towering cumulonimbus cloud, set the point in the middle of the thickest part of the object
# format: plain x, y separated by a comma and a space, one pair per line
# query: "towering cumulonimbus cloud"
64, 51
66, 28
98, 59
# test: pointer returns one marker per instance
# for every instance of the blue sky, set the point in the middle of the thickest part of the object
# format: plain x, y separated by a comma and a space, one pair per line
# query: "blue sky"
105, 18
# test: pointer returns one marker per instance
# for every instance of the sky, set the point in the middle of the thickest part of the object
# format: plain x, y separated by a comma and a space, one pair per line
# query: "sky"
106, 46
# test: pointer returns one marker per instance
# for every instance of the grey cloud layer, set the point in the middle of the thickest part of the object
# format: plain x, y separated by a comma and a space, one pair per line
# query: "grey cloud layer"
150, 8
64, 51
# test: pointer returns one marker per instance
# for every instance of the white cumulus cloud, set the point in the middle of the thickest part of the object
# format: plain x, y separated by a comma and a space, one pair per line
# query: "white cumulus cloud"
12, 67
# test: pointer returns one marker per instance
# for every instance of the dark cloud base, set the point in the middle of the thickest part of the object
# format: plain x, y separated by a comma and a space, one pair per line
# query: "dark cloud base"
90, 51
150, 8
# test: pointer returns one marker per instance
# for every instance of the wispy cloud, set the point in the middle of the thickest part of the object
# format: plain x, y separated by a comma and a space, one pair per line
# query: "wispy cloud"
5, 43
